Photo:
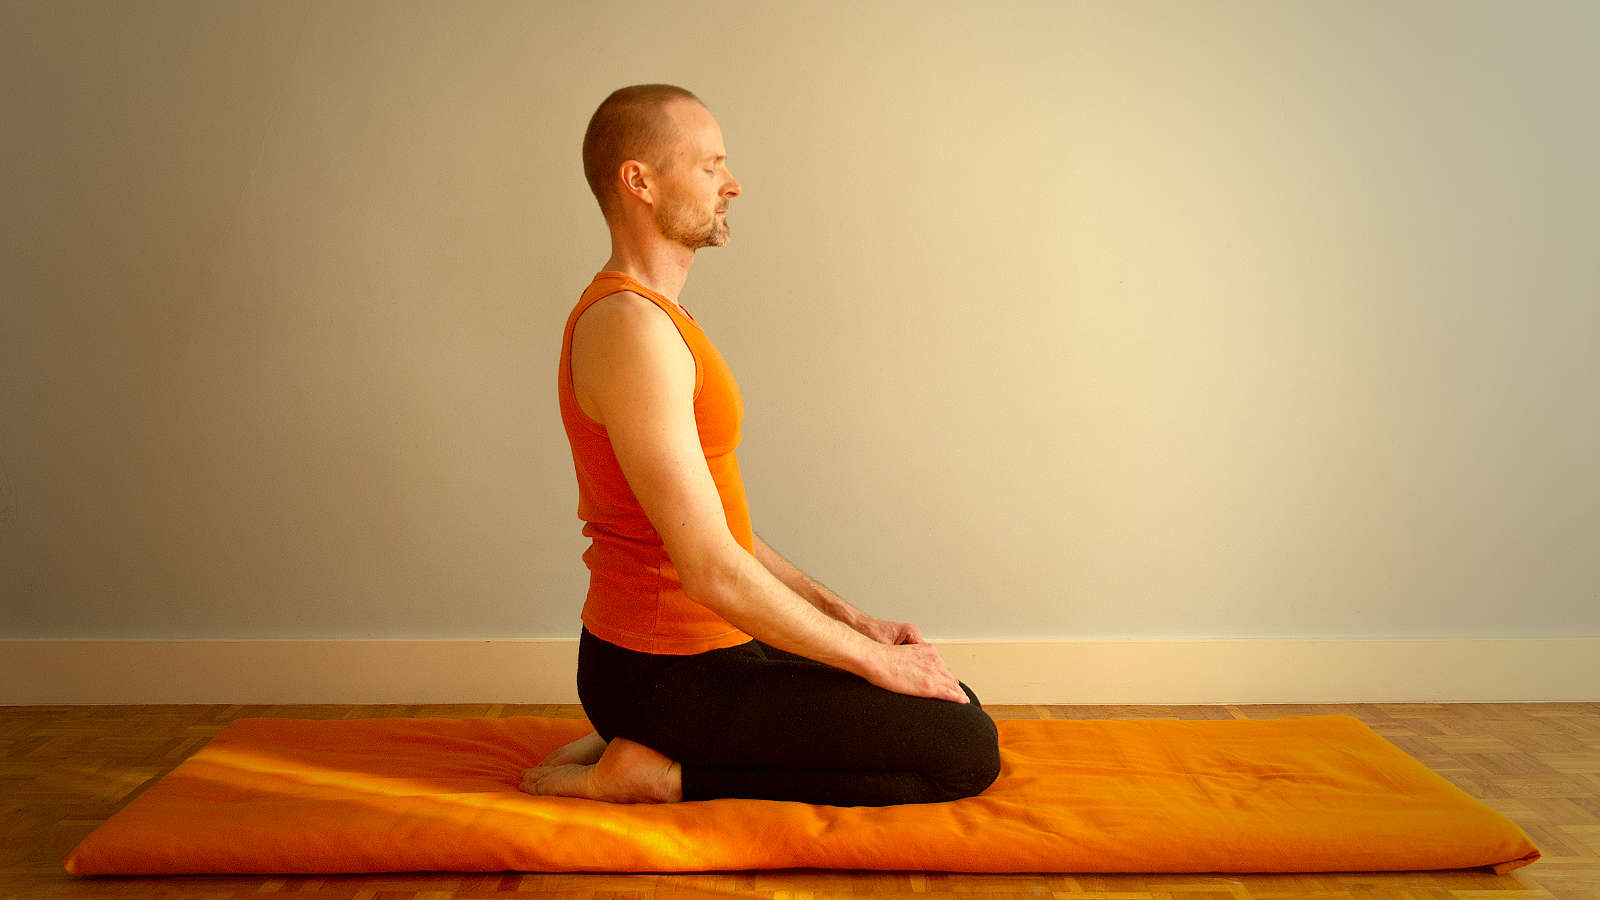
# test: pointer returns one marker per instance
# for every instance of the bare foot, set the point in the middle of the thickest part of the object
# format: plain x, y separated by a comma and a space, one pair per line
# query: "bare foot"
627, 772
584, 751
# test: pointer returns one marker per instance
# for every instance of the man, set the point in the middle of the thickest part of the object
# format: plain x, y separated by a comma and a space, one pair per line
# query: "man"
709, 665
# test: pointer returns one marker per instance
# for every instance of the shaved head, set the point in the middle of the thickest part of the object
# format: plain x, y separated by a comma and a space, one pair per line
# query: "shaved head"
632, 123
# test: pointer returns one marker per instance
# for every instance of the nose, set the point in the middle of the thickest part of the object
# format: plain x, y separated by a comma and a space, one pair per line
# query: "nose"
731, 189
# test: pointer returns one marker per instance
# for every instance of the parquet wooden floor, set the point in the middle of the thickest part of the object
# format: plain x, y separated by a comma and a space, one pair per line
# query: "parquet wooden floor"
65, 769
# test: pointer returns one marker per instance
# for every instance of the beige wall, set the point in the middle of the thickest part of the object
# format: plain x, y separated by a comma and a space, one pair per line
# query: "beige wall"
1053, 320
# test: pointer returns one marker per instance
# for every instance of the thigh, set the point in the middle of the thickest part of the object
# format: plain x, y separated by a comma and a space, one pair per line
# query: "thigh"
619, 687
772, 652
753, 710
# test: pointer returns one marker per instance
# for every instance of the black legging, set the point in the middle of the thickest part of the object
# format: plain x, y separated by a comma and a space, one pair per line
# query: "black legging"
755, 721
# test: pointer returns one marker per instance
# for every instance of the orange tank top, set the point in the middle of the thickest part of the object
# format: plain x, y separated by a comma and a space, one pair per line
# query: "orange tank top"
636, 599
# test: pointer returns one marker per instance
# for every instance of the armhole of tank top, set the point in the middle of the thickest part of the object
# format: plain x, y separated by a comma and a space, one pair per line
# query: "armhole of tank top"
572, 383
699, 370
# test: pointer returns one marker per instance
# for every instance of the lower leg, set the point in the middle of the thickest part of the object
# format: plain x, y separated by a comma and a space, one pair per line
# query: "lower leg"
825, 787
817, 735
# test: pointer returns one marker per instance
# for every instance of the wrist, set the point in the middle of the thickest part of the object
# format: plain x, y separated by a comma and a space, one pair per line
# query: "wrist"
870, 662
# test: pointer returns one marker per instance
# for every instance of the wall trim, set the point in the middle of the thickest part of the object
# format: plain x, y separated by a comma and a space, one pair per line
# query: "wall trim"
1254, 670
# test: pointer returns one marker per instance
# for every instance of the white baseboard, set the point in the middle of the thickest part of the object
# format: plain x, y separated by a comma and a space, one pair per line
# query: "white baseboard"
1257, 670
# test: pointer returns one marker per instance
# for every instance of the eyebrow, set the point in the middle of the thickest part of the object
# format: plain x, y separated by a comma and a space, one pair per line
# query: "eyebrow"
713, 158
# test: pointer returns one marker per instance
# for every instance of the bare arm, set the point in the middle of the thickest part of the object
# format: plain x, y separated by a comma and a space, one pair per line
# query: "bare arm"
632, 369
820, 596
813, 592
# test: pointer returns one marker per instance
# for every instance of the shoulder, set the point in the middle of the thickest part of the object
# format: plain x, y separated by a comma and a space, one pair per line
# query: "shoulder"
625, 335
629, 361
624, 315
623, 307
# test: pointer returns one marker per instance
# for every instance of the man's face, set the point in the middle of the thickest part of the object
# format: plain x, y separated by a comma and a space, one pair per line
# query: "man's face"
695, 193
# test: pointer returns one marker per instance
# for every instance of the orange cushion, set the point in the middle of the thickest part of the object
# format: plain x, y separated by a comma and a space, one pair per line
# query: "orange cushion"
1307, 794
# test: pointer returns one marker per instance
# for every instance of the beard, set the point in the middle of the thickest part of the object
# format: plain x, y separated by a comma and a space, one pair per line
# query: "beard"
692, 226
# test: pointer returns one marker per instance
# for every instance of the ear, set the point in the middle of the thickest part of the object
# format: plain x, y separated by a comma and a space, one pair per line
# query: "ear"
637, 179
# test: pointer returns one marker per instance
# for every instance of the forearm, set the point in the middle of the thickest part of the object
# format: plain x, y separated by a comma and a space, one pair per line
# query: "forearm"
742, 590
802, 584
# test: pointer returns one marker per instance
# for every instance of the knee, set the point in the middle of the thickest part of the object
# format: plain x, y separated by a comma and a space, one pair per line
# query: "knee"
973, 761
970, 695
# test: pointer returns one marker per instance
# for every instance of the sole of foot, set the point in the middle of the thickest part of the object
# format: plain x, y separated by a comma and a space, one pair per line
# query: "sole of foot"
626, 772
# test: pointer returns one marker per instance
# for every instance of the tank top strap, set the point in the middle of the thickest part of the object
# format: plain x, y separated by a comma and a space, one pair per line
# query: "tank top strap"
614, 281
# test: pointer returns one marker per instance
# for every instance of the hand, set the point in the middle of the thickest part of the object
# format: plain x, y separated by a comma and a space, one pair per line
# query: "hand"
886, 632
916, 669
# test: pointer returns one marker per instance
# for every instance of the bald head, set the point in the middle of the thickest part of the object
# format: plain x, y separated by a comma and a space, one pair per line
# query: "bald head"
633, 123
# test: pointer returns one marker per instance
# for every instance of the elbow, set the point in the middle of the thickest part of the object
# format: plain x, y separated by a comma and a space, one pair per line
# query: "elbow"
713, 580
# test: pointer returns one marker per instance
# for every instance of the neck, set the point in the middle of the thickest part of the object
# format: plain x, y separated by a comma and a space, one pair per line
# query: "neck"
662, 267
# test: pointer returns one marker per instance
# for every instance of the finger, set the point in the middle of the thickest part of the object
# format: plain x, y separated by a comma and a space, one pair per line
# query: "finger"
913, 635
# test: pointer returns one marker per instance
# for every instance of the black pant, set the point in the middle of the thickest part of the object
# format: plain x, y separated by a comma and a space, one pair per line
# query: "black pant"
755, 721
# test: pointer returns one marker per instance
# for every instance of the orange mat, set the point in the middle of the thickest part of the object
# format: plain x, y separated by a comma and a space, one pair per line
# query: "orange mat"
1307, 794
